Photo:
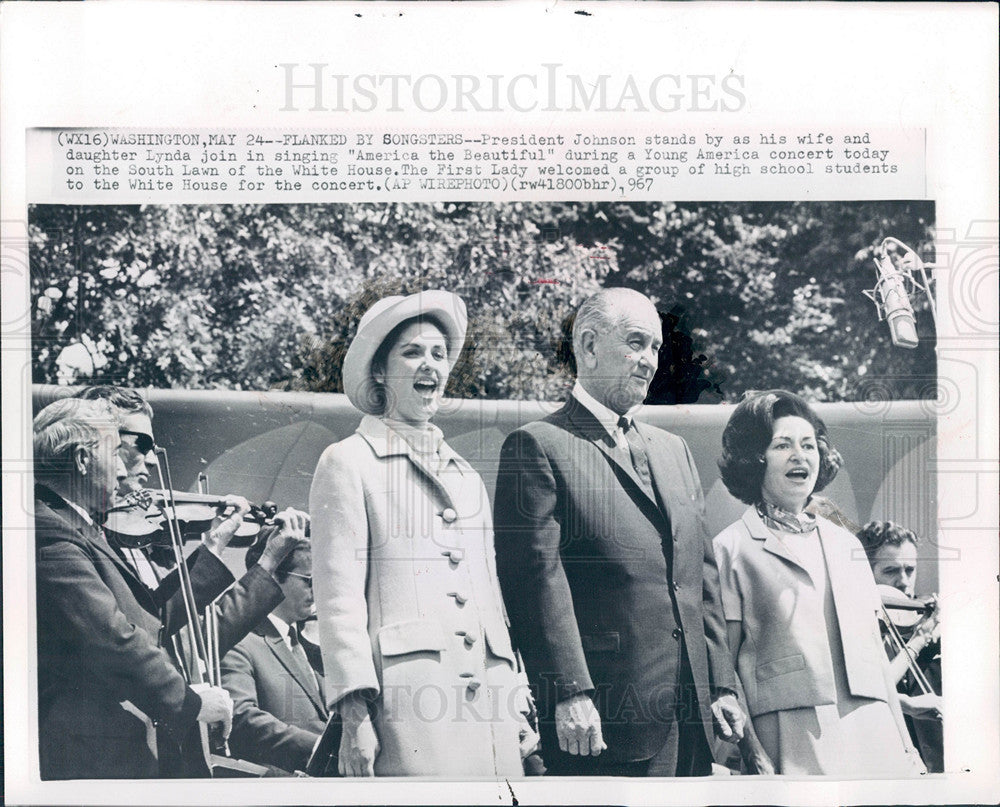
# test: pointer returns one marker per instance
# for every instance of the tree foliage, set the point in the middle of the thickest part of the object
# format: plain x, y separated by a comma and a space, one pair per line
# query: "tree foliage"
268, 296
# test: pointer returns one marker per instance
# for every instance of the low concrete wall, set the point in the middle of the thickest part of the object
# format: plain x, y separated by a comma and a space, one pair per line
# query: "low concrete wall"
265, 445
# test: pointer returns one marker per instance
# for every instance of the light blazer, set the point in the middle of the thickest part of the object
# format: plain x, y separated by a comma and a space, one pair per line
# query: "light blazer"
591, 568
784, 659
278, 707
98, 631
409, 607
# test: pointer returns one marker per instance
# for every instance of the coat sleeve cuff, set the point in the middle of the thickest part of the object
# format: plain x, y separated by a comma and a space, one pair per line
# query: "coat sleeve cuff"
570, 689
189, 710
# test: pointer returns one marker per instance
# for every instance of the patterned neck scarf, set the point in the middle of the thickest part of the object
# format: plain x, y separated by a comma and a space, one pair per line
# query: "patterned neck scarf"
777, 519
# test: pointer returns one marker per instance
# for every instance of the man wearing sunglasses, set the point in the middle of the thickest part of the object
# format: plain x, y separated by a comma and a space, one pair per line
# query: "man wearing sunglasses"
244, 603
279, 706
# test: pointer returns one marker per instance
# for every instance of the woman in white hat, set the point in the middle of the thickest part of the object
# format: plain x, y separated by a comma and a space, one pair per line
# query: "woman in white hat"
416, 653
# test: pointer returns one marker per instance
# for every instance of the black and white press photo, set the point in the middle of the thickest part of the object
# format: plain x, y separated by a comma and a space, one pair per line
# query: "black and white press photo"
480, 490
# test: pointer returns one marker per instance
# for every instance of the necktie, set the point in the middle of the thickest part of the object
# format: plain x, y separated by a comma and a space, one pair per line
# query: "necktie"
299, 654
636, 448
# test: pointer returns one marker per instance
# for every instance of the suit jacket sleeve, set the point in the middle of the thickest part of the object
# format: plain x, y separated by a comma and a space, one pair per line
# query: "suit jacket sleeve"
259, 736
209, 578
74, 599
720, 662
339, 523
245, 605
532, 577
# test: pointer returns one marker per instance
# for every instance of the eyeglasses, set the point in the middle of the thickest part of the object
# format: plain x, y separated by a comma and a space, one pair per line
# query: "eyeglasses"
143, 442
306, 577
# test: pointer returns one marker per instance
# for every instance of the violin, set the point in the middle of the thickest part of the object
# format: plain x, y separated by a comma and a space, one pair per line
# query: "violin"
919, 617
907, 612
142, 518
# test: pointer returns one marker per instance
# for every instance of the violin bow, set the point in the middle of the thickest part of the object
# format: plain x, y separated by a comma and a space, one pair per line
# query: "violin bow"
187, 591
900, 647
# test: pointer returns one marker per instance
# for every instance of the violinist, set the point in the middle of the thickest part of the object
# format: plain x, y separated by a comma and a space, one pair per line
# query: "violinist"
244, 603
892, 555
101, 674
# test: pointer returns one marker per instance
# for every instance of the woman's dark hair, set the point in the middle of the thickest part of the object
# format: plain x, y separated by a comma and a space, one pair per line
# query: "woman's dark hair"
876, 534
392, 338
748, 434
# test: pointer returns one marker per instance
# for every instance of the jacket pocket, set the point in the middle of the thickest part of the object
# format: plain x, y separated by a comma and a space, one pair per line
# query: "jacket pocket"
412, 636
780, 666
498, 642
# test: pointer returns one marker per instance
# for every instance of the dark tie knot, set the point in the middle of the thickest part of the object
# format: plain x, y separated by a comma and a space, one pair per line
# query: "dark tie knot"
293, 635
624, 423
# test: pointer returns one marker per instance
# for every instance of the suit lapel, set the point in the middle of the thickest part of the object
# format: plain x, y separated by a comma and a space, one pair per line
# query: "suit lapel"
659, 468
585, 424
386, 443
772, 543
304, 678
96, 538
838, 572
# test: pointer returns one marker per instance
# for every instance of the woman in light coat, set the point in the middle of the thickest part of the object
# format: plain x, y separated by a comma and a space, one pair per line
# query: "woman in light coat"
800, 604
413, 633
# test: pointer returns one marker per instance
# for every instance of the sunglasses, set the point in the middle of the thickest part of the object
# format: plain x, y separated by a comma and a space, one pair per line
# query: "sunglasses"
143, 442
306, 577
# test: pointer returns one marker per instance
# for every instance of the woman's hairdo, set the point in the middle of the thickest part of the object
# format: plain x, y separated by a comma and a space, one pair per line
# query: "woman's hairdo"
876, 534
381, 356
748, 434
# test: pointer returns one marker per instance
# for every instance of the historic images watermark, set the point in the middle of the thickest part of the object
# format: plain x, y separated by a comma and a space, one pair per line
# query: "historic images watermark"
318, 87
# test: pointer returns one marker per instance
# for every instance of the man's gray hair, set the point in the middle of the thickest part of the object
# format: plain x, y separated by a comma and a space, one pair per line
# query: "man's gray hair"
63, 426
128, 401
602, 311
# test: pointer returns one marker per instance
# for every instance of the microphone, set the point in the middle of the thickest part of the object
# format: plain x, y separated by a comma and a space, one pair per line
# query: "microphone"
891, 297
893, 303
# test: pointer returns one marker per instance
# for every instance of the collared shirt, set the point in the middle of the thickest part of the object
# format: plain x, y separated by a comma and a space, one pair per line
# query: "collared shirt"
282, 627
606, 417
83, 513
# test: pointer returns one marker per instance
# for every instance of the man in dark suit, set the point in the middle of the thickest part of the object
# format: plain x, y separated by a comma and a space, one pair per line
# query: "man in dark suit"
239, 604
607, 573
279, 708
102, 676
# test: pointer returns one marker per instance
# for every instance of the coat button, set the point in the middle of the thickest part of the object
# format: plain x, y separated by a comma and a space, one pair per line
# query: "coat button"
676, 585
448, 515
454, 555
469, 639
460, 598
677, 633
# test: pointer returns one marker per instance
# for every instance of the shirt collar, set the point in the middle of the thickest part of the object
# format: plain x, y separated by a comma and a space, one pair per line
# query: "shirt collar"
83, 513
606, 417
280, 625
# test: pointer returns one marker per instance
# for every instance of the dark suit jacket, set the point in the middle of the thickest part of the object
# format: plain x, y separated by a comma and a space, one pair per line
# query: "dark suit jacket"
98, 632
239, 609
606, 585
278, 711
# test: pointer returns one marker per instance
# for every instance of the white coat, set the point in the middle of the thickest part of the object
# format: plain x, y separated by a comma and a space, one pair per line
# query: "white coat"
409, 607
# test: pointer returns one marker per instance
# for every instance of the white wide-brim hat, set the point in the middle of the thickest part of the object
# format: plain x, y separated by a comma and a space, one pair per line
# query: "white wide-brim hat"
376, 324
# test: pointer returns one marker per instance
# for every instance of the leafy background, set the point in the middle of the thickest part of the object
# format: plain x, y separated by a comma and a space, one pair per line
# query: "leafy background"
259, 297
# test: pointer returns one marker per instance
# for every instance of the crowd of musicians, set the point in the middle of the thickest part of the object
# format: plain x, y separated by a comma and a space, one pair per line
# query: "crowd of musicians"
586, 624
